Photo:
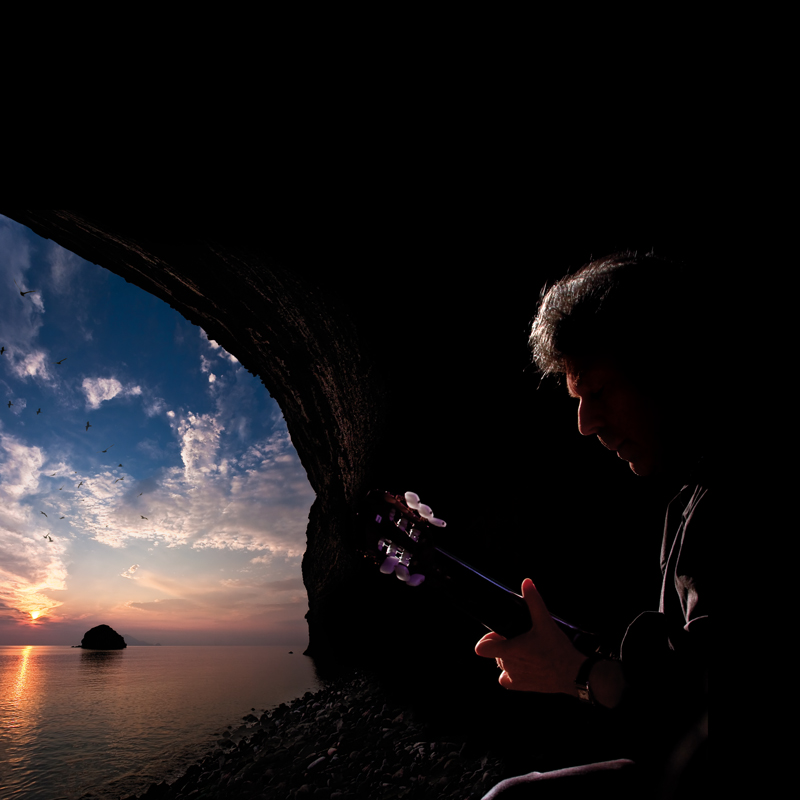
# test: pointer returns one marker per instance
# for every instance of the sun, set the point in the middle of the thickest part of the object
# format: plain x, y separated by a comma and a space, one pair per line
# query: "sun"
35, 614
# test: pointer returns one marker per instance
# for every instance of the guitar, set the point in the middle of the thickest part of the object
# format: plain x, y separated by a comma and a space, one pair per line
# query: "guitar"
399, 539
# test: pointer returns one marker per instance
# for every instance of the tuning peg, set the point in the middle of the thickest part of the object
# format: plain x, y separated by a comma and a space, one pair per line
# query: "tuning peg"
425, 511
404, 575
412, 500
439, 523
388, 566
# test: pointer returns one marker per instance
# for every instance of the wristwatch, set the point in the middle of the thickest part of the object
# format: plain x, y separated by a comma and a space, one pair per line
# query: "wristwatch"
582, 679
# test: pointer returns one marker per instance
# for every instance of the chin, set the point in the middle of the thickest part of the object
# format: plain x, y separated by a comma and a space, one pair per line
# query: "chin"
642, 469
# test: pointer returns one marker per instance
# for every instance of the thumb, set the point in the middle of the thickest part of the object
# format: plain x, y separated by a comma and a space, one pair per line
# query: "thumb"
534, 600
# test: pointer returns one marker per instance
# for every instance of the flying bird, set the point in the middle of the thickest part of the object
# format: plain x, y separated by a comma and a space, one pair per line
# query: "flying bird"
42, 512
39, 411
50, 538
62, 360
2, 350
88, 425
119, 465
60, 488
61, 517
142, 517
10, 404
140, 494
80, 484
53, 475
107, 449
27, 291
119, 479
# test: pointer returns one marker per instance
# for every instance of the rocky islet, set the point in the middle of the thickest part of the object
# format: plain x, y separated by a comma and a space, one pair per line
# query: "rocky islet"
102, 637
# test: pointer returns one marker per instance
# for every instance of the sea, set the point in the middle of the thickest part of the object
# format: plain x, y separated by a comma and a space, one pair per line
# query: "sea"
107, 723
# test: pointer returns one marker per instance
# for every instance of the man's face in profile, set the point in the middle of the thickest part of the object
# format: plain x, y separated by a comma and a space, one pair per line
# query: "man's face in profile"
625, 418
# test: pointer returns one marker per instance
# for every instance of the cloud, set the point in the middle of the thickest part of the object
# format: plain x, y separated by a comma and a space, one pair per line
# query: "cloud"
219, 498
20, 466
33, 364
218, 349
167, 605
154, 406
21, 318
199, 435
129, 572
99, 390
18, 405
29, 565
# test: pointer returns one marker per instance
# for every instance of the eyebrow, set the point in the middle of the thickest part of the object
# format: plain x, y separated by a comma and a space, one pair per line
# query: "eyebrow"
576, 381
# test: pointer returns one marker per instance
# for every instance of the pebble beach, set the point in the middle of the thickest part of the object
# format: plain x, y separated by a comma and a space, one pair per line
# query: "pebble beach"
347, 740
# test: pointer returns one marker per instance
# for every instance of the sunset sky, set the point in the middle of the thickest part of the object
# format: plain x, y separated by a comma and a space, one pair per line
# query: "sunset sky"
179, 515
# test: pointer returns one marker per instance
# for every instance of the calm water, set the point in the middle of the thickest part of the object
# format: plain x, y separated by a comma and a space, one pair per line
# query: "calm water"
112, 722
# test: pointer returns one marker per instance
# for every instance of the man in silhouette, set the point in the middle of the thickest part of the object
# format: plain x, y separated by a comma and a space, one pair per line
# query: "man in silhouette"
631, 337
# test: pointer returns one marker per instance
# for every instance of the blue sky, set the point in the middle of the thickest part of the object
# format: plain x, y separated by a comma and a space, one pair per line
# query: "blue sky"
179, 515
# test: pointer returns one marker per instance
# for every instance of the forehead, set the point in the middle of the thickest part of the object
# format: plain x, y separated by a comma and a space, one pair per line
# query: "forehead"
587, 375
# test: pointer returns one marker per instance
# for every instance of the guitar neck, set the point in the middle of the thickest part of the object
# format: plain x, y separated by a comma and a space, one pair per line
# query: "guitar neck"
492, 604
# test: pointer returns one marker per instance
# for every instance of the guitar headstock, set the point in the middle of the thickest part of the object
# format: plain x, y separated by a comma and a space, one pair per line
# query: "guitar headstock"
400, 539
399, 532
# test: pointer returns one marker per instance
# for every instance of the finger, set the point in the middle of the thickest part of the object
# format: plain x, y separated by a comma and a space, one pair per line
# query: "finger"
534, 600
490, 646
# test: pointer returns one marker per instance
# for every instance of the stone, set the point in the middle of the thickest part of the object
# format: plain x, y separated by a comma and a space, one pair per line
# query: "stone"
102, 637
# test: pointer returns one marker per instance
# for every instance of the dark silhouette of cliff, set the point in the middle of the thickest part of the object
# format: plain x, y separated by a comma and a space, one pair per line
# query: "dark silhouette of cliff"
394, 342
102, 637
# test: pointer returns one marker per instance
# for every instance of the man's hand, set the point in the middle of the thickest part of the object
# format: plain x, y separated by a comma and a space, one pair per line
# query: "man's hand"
541, 660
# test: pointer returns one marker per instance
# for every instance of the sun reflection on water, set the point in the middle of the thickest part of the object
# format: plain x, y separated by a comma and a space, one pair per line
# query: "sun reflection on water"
16, 724
21, 680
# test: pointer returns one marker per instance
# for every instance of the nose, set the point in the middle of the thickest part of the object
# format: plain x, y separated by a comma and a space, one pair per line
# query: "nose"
590, 418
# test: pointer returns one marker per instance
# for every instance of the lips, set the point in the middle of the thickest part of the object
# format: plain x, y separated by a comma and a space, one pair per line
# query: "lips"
623, 445
608, 446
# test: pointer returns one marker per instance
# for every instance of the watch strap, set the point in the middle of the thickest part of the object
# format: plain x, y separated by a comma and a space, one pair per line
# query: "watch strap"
582, 679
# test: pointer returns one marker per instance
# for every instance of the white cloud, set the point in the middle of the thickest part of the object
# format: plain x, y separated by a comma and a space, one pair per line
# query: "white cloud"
256, 501
199, 436
33, 364
30, 564
154, 406
129, 572
20, 466
218, 349
99, 390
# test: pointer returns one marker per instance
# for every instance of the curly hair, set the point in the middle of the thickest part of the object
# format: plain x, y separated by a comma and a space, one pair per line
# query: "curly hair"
641, 308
